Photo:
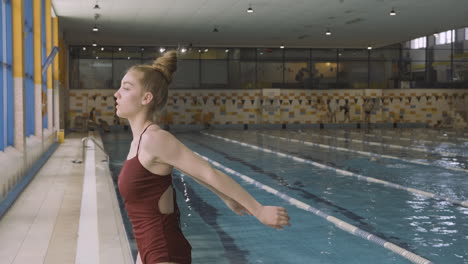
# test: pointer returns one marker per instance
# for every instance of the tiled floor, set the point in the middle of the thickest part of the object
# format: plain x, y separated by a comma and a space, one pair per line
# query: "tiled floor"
42, 225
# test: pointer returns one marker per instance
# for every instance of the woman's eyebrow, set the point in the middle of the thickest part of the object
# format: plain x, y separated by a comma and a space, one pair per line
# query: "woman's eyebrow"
129, 83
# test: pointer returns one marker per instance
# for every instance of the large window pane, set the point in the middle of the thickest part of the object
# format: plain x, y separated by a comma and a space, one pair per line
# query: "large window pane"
187, 75
269, 74
297, 54
247, 74
353, 74
324, 54
460, 73
119, 68
269, 68
95, 74
383, 69
297, 75
214, 74
323, 74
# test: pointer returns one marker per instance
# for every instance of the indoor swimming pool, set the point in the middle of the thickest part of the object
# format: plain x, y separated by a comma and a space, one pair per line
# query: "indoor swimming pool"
380, 183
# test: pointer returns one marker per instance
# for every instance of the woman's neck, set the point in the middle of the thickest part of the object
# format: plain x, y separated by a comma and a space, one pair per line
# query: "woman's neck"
137, 125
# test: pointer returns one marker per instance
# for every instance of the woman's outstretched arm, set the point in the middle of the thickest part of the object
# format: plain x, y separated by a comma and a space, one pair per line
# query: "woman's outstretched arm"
165, 148
231, 203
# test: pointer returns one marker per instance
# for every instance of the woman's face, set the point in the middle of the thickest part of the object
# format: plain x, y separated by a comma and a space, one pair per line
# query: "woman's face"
130, 95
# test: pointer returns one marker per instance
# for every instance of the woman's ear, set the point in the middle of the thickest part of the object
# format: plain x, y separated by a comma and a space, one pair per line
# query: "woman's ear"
147, 98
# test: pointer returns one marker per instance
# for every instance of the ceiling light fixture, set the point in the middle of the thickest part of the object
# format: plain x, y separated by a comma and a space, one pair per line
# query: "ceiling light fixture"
250, 10
95, 28
97, 58
162, 49
436, 35
369, 47
328, 32
84, 48
183, 50
227, 50
94, 44
282, 46
102, 48
392, 13
120, 49
206, 50
128, 57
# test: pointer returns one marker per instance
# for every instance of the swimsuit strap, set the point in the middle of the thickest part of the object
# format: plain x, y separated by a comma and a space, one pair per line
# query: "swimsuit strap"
144, 130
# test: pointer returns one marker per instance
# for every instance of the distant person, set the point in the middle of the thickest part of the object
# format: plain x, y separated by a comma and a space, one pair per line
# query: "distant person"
92, 125
332, 110
345, 109
145, 181
446, 122
368, 106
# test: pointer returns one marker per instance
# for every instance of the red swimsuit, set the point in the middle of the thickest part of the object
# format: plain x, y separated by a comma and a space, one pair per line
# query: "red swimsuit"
158, 235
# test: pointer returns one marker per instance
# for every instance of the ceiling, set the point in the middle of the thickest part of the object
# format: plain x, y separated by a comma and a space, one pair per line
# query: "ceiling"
296, 23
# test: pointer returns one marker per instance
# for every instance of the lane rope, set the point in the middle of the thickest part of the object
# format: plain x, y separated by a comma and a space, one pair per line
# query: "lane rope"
380, 144
336, 221
365, 153
344, 172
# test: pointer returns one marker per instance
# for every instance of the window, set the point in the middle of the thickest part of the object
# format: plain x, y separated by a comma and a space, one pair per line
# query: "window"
44, 57
446, 37
29, 67
419, 43
6, 77
466, 33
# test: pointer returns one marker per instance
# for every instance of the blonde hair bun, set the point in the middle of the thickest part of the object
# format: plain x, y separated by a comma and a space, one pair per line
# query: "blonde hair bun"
166, 64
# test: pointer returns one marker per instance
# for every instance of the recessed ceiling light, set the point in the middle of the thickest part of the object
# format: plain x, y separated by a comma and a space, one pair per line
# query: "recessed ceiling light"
328, 32
84, 48
206, 50
97, 58
183, 50
250, 10
94, 44
282, 46
162, 49
128, 57
95, 28
120, 49
227, 50
392, 13
369, 47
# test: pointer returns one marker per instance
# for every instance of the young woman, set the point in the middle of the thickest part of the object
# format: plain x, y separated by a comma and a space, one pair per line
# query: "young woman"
145, 179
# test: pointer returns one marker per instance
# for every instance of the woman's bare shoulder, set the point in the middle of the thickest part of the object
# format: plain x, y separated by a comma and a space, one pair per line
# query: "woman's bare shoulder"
158, 138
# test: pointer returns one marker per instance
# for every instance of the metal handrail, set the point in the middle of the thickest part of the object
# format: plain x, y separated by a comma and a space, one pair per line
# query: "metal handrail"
85, 139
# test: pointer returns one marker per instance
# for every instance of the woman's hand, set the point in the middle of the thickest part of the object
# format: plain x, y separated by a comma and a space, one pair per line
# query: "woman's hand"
273, 216
236, 207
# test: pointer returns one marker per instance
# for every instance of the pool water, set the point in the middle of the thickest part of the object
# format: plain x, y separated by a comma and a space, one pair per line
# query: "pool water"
434, 229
